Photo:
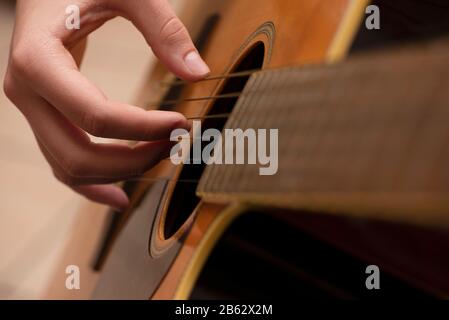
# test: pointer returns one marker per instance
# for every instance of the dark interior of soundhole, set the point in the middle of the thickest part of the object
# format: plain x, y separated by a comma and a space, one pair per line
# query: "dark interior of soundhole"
184, 199
263, 257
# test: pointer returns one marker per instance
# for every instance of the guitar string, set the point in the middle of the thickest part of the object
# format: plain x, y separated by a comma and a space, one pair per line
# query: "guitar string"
175, 102
237, 74
169, 103
157, 179
214, 116
210, 78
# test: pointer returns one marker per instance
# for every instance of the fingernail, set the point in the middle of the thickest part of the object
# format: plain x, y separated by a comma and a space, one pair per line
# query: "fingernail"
181, 123
196, 65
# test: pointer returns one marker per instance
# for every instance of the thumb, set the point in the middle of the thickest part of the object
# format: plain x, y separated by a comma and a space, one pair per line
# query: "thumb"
167, 36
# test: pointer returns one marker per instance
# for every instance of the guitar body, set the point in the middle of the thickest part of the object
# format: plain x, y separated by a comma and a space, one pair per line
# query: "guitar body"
180, 239
247, 35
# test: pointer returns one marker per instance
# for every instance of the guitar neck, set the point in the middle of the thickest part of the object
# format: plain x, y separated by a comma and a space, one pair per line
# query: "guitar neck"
364, 136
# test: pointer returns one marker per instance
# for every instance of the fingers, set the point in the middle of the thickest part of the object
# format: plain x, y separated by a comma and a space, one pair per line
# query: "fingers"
61, 104
110, 195
167, 36
52, 66
80, 161
106, 194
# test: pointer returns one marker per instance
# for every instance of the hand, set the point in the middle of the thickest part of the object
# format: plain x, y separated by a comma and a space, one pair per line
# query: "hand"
61, 105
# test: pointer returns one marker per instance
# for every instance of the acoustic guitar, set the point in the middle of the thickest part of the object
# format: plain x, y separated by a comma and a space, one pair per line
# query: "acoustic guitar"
362, 176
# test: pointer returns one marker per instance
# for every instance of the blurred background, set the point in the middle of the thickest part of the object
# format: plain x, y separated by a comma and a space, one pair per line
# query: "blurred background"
37, 212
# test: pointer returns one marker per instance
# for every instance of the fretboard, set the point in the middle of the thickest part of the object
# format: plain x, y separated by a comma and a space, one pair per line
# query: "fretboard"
369, 136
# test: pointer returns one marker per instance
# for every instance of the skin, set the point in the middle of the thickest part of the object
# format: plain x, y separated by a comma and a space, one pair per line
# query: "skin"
61, 105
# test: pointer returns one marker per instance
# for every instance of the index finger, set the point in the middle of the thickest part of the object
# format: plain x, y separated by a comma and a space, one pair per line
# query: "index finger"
51, 71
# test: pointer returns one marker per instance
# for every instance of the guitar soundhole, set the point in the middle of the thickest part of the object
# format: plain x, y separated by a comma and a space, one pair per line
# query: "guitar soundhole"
184, 199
